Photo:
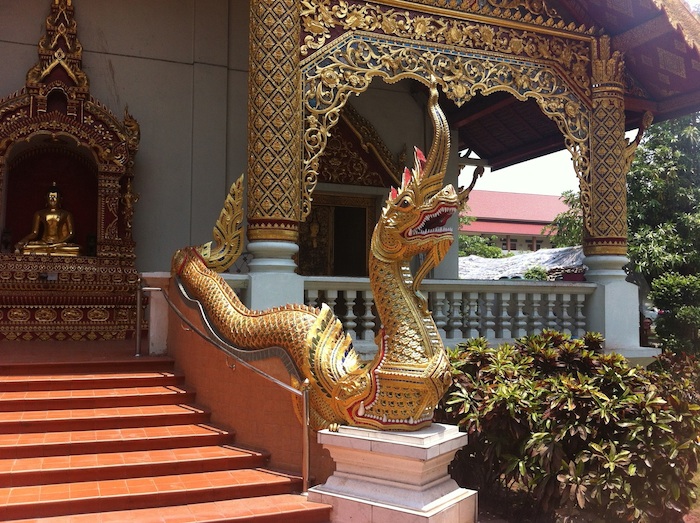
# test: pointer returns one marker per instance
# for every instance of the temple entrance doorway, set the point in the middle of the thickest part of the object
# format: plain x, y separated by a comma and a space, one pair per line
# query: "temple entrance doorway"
335, 238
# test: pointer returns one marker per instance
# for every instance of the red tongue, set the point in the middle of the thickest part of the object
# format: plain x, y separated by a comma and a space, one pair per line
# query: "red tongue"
437, 221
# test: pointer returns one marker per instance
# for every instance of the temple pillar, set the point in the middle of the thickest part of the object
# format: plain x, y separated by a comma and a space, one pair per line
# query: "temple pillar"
274, 153
448, 268
613, 310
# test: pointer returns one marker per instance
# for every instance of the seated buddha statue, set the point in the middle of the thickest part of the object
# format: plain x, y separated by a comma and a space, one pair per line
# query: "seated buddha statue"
52, 228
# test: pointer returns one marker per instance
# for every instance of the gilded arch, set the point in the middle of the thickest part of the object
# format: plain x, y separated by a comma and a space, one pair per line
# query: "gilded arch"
346, 44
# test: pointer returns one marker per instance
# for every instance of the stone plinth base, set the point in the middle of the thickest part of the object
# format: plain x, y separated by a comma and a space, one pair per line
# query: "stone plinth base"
395, 477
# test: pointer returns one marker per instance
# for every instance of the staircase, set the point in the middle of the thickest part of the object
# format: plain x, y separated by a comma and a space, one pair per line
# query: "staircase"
121, 439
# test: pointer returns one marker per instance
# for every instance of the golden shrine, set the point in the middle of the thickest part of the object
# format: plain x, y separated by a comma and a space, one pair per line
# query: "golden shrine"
72, 276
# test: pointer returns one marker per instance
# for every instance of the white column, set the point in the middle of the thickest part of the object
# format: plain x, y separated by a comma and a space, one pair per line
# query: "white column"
448, 269
613, 309
273, 282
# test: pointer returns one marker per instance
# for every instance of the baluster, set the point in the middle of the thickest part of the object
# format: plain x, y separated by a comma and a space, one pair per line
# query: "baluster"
312, 298
473, 318
520, 315
552, 320
579, 318
331, 298
536, 323
506, 320
567, 324
489, 317
368, 319
349, 321
456, 321
439, 312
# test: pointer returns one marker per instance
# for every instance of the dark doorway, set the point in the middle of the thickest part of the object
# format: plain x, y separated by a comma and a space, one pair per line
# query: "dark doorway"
350, 232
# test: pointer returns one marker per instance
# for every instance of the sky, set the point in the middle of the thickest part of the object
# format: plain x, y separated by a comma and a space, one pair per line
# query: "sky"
552, 174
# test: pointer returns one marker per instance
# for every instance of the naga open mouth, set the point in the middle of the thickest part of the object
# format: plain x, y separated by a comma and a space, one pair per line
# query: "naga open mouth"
433, 223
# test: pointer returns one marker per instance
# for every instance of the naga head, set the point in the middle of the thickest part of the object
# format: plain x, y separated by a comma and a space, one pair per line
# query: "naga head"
414, 219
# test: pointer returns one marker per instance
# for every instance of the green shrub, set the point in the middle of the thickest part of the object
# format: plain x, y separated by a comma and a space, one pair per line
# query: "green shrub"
536, 273
678, 298
480, 246
561, 429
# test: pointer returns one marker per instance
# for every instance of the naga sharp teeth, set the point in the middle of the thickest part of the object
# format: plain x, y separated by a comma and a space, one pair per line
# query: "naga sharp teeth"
410, 420
384, 418
361, 410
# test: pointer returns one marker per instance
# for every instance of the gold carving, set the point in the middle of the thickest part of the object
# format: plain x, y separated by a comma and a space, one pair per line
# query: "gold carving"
326, 15
274, 124
228, 238
347, 44
60, 47
45, 315
349, 68
369, 141
71, 314
604, 194
399, 389
18, 315
69, 287
607, 67
98, 315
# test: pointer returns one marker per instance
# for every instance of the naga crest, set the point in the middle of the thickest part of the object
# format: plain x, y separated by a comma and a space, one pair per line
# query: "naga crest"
414, 219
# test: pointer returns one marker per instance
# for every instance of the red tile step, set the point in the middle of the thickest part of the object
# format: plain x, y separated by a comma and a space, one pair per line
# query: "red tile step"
100, 418
280, 508
143, 492
47, 382
16, 472
109, 441
82, 368
92, 398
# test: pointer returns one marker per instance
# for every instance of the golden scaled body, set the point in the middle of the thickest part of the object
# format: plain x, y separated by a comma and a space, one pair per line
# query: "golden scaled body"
400, 387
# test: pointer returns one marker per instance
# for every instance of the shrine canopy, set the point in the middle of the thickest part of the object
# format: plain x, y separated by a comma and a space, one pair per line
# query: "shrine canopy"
660, 43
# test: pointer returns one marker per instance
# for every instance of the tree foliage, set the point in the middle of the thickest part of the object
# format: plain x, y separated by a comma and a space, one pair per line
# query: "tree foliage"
663, 194
478, 245
566, 230
663, 201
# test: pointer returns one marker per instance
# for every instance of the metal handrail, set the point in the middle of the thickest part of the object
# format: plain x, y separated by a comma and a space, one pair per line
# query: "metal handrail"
227, 349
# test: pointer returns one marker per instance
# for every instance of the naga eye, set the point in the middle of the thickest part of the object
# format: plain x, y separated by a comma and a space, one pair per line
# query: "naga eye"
404, 203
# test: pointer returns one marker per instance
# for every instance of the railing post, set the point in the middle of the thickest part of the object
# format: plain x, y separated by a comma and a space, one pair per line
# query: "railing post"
139, 317
305, 449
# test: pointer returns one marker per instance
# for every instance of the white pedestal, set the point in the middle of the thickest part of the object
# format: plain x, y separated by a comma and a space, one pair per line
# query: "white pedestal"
273, 281
395, 477
613, 310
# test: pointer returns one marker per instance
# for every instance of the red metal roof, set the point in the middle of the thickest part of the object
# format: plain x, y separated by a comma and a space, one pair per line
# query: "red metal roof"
502, 228
508, 206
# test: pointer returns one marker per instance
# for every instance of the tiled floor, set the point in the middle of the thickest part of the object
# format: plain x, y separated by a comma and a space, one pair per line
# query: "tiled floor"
110, 444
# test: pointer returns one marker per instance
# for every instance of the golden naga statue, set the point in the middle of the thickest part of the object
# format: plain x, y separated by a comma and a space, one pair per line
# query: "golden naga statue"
52, 228
400, 387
